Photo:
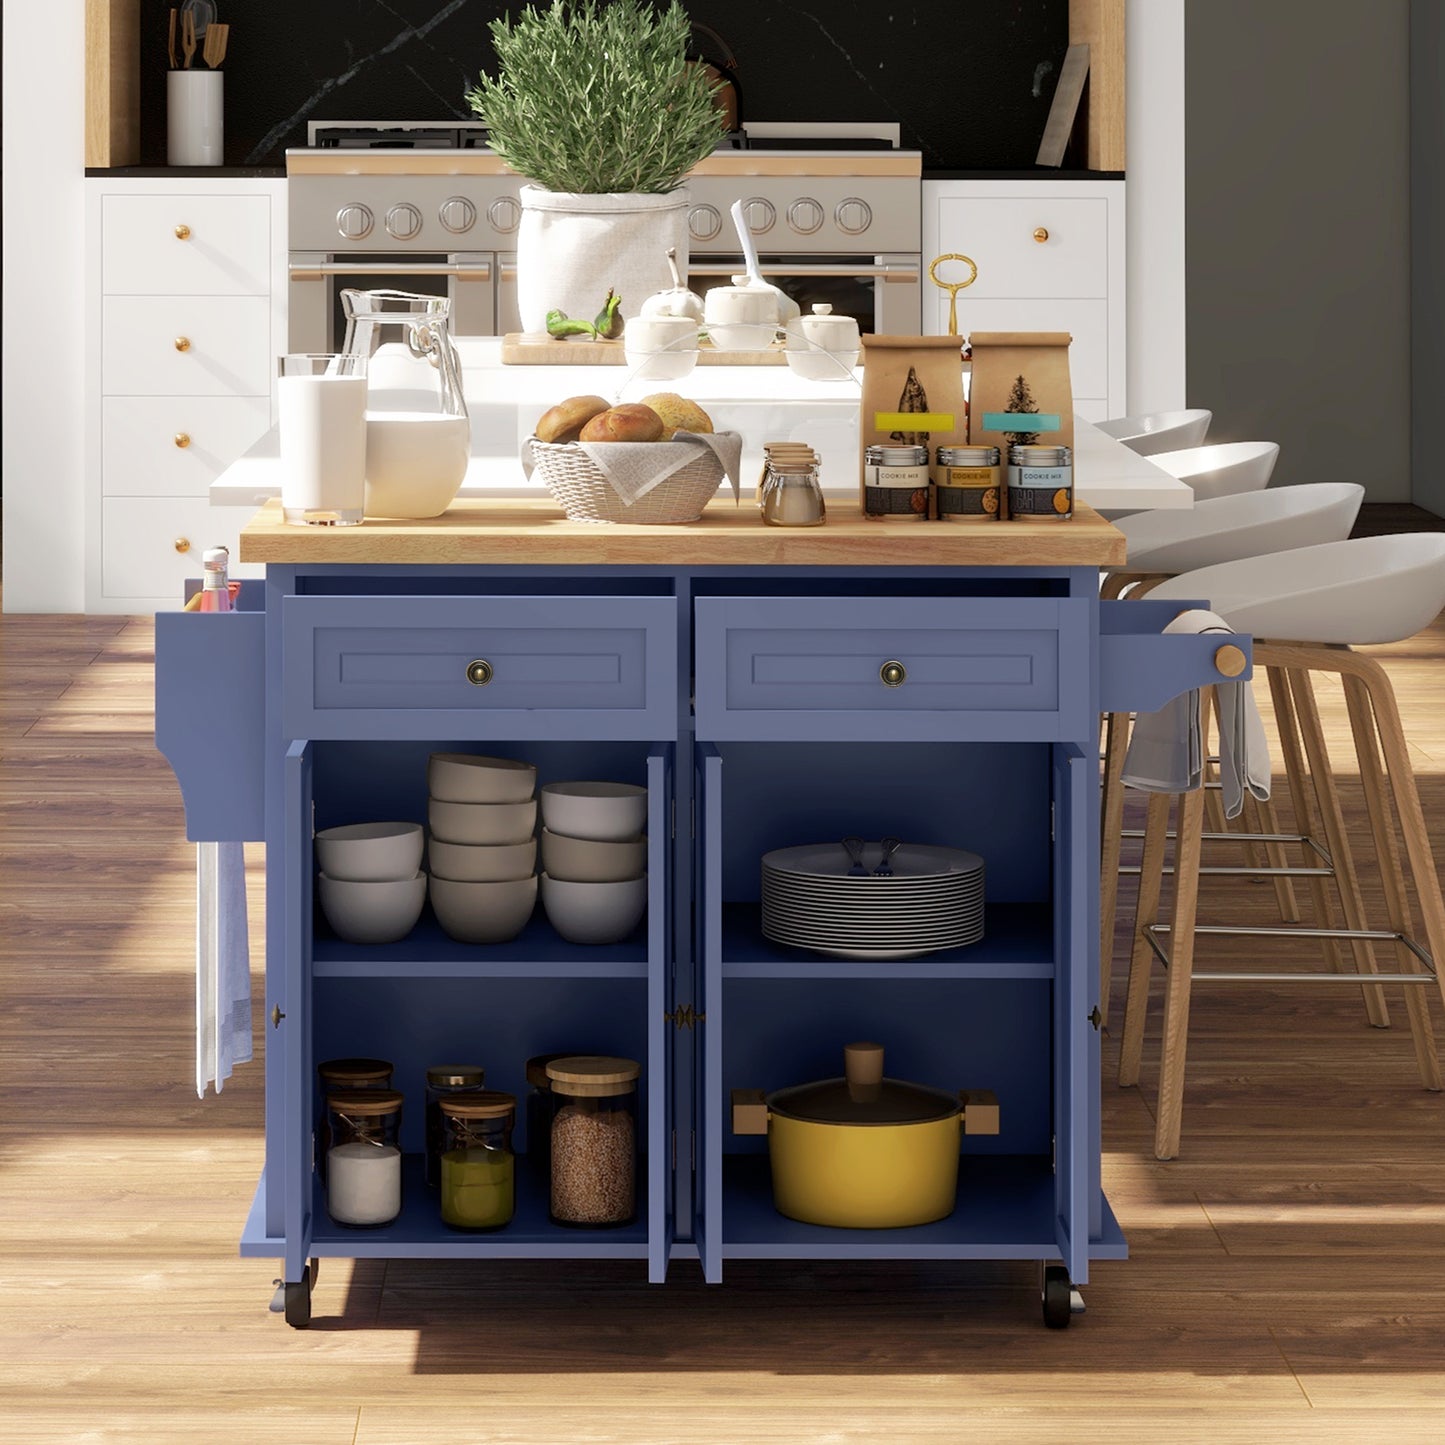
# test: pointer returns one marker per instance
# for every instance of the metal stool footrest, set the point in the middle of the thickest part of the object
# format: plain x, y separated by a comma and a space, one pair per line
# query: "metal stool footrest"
1153, 930
1327, 870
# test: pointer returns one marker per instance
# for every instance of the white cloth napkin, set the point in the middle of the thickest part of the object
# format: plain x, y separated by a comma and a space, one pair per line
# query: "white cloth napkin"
1166, 748
223, 964
633, 469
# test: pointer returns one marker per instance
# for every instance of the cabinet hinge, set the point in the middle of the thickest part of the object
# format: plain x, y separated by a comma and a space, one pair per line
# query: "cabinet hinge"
1053, 1153
684, 1017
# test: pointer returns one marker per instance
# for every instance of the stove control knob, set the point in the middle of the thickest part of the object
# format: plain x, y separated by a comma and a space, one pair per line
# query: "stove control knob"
853, 216
505, 214
805, 215
457, 214
354, 222
704, 222
403, 222
759, 214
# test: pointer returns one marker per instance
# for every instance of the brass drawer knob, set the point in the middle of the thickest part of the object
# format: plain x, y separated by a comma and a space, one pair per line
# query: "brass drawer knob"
1229, 660
183, 343
183, 439
183, 544
479, 672
1041, 234
893, 674
183, 232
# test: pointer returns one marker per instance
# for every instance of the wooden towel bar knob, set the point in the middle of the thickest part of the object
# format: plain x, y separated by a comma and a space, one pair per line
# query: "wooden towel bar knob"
1230, 661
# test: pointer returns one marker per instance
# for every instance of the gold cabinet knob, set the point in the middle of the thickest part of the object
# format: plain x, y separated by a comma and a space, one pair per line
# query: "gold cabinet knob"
893, 674
1041, 234
276, 1016
183, 439
183, 544
1229, 660
183, 343
479, 672
183, 232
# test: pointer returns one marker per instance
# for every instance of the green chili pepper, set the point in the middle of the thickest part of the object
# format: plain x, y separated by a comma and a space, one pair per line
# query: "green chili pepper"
560, 324
608, 324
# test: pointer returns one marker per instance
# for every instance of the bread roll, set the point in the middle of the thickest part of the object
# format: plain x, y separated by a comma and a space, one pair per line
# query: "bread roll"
564, 422
678, 413
630, 422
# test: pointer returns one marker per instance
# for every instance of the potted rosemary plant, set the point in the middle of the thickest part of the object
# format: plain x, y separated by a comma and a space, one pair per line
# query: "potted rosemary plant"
595, 104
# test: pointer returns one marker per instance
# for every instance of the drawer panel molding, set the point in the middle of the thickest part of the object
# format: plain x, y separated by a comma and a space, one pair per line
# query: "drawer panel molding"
180, 245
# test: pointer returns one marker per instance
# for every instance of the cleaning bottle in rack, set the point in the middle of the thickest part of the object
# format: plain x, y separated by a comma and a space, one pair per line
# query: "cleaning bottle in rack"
216, 594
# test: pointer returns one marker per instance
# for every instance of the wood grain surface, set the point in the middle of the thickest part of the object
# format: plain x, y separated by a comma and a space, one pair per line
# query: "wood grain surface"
1284, 1284
523, 348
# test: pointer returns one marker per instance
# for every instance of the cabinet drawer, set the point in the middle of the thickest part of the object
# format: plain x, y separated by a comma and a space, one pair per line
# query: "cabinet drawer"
226, 352
998, 232
974, 668
555, 667
175, 446
224, 249
1141, 669
1087, 322
150, 545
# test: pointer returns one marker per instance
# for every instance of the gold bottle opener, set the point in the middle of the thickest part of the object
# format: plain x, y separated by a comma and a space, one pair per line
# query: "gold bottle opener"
952, 287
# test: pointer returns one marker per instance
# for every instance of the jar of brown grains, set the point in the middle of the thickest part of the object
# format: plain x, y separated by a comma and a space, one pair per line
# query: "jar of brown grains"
594, 1140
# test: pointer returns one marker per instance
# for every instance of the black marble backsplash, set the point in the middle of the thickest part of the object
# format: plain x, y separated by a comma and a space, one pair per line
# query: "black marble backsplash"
970, 81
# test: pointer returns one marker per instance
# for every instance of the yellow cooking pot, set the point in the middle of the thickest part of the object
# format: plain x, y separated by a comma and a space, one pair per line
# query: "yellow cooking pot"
863, 1151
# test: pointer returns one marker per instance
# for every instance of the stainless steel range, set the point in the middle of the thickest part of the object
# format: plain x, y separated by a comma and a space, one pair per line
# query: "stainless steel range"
834, 211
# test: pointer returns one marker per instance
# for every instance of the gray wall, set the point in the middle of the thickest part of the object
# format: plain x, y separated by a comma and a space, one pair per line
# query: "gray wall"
1427, 245
1298, 224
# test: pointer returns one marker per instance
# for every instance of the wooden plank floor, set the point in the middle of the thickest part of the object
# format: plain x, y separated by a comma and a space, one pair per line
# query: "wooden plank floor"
1287, 1270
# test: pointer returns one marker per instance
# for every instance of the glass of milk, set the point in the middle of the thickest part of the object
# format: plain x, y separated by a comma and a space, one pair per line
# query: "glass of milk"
321, 401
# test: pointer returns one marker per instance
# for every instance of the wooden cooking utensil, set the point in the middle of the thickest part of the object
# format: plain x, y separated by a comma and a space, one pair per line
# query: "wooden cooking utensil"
188, 37
222, 34
171, 40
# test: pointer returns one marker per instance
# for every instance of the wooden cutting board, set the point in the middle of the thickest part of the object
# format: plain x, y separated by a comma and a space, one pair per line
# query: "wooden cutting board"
525, 349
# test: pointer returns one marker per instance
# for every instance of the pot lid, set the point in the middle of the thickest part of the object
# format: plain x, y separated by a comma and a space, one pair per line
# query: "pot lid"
863, 1095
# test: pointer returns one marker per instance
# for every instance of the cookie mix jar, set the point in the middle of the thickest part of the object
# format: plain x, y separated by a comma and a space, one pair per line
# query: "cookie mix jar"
895, 483
1041, 482
969, 483
594, 1140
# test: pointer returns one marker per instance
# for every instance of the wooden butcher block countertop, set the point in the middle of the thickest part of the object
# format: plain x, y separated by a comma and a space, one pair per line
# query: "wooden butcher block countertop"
512, 532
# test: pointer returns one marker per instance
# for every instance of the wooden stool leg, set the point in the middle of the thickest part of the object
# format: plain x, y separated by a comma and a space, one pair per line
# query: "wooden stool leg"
1141, 958
1397, 903
1111, 824
1297, 780
1337, 840
1170, 1109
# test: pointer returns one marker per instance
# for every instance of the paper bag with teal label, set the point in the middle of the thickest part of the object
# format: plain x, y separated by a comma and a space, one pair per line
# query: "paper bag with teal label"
912, 397
1020, 391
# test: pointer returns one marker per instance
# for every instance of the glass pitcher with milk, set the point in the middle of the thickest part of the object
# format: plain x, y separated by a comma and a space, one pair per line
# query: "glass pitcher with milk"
418, 434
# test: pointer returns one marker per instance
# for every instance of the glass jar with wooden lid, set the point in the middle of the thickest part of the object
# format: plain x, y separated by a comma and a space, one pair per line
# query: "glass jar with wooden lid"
594, 1140
478, 1167
442, 1080
337, 1075
363, 1159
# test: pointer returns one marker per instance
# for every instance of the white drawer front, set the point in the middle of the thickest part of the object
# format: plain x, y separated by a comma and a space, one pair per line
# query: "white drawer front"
176, 446
226, 249
139, 556
227, 348
998, 233
1086, 321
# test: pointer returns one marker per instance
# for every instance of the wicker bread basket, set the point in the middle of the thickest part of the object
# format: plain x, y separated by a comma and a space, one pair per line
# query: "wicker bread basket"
585, 494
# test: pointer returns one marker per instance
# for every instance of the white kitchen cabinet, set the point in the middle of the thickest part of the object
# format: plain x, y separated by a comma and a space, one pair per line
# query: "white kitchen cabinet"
1050, 257
186, 281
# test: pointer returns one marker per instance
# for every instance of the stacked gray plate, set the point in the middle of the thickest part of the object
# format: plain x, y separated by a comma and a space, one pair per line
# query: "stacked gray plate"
816, 897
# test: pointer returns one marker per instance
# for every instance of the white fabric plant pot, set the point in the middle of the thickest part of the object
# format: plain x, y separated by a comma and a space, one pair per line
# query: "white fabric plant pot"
571, 247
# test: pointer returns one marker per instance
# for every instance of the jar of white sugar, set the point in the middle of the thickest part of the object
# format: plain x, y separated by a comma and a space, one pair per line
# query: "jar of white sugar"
363, 1160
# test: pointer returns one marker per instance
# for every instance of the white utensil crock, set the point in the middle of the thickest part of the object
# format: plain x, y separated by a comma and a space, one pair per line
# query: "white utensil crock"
195, 124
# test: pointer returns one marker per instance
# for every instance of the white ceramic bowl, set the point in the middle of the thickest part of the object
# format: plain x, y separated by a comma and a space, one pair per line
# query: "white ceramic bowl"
415, 462
594, 912
489, 823
483, 912
370, 852
372, 912
814, 365
585, 860
471, 778
606, 812
480, 862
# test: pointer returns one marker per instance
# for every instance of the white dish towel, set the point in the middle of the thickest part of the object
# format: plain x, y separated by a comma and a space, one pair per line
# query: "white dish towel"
1166, 749
223, 964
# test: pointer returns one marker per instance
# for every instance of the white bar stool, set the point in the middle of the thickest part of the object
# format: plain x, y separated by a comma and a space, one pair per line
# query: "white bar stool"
1325, 599
1222, 470
1160, 431
1164, 544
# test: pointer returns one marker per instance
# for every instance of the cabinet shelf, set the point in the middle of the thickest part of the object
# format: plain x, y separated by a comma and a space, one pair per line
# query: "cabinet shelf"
426, 952
1018, 944
1005, 1210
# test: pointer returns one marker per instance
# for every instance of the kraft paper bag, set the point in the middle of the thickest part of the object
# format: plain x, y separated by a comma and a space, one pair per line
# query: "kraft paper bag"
1021, 392
912, 395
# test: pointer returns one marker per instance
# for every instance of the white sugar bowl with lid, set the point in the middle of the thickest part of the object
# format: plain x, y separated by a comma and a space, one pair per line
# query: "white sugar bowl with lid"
744, 316
660, 346
823, 347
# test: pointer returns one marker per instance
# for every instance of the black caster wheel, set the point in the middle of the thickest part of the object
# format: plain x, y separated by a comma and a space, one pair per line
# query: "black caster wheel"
298, 1303
314, 1270
1058, 1302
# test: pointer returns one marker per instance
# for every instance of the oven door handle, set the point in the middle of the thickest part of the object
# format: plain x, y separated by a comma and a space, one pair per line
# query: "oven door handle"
317, 271
888, 273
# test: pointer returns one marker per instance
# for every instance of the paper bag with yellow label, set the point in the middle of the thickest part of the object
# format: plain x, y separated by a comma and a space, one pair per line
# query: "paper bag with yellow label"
912, 397
1020, 391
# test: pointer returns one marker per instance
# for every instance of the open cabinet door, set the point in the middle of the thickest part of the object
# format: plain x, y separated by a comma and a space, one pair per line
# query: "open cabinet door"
1076, 969
661, 1009
707, 1050
294, 1021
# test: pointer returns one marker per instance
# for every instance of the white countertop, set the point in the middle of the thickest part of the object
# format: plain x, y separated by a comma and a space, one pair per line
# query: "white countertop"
764, 403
